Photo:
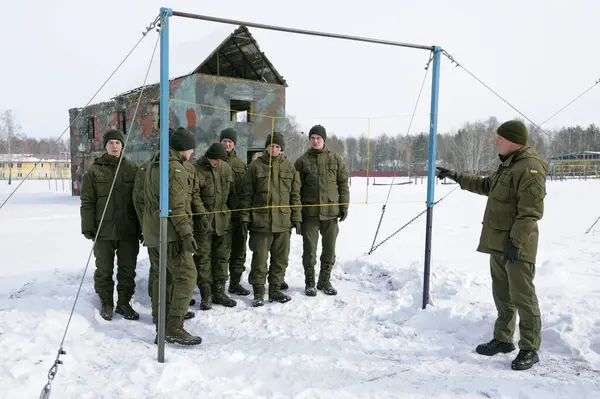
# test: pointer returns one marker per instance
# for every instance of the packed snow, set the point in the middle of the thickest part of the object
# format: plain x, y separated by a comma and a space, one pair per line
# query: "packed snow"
372, 340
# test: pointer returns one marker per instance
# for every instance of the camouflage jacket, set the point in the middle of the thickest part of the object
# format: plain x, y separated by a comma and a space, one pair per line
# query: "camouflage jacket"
280, 190
239, 169
516, 193
120, 220
216, 189
138, 191
184, 199
324, 178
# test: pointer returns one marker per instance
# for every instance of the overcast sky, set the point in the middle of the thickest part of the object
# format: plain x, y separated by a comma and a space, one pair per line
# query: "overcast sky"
538, 54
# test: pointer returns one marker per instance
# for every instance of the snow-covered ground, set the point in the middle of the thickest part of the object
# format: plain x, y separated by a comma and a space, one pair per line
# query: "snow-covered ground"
371, 341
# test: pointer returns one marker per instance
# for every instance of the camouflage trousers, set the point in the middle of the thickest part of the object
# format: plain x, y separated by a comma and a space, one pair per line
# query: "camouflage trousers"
514, 292
211, 258
181, 280
311, 228
237, 257
262, 244
154, 255
126, 252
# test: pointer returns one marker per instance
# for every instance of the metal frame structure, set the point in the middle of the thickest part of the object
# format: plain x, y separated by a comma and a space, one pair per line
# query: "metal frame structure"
165, 15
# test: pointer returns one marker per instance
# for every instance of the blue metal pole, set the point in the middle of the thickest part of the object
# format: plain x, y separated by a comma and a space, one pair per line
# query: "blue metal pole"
431, 163
164, 177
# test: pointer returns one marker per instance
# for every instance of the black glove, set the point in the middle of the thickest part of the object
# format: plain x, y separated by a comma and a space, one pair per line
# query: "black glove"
443, 173
189, 244
511, 253
90, 235
202, 224
298, 227
244, 228
343, 214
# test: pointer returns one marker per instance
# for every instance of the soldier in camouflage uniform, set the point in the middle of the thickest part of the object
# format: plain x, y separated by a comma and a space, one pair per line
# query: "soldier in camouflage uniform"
216, 189
120, 231
153, 253
325, 197
181, 271
271, 180
516, 193
237, 256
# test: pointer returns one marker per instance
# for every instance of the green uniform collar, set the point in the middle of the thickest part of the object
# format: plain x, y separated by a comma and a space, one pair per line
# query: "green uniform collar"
508, 158
231, 155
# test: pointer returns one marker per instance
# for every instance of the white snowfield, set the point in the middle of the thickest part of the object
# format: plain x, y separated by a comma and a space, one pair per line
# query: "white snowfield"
372, 340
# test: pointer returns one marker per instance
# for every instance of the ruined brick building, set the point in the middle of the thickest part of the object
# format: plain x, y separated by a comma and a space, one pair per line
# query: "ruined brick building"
235, 86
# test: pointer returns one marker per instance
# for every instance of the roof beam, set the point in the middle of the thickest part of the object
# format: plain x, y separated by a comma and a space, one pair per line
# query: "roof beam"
246, 58
231, 64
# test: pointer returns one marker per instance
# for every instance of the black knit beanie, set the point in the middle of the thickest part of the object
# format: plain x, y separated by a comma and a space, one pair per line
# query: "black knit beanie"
319, 131
230, 134
182, 140
216, 151
113, 134
514, 131
277, 139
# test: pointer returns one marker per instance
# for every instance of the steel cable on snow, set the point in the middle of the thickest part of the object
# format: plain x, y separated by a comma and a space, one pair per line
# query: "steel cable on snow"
452, 60
396, 167
45, 394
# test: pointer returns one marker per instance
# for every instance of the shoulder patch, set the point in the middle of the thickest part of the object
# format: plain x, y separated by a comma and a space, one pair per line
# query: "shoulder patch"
533, 170
177, 169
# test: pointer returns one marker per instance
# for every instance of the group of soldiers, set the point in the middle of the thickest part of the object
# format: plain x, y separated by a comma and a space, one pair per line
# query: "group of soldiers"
215, 203
218, 206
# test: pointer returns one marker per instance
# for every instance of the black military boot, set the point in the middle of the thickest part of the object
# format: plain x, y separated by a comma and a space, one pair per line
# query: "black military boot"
235, 287
284, 286
525, 360
124, 307
220, 297
275, 295
494, 347
206, 294
106, 311
259, 295
324, 284
192, 302
309, 282
176, 334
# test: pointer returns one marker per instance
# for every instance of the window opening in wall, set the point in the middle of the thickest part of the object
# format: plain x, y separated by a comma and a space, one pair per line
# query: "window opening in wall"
241, 111
122, 121
91, 128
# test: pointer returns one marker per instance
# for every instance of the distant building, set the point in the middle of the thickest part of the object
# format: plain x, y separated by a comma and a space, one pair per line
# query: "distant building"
235, 86
581, 164
21, 165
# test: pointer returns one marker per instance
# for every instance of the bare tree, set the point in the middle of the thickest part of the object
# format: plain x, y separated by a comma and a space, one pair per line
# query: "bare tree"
9, 129
295, 139
407, 153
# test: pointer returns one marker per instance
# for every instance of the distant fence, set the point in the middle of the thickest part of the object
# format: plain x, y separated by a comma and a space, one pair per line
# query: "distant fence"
399, 173
60, 185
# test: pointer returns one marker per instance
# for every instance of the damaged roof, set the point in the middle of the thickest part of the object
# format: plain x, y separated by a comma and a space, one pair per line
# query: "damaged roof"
239, 56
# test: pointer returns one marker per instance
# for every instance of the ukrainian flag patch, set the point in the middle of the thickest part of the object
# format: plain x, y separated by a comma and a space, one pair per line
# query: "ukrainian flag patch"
179, 170
533, 170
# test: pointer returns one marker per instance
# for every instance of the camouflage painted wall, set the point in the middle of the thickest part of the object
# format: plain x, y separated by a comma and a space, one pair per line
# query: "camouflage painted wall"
200, 103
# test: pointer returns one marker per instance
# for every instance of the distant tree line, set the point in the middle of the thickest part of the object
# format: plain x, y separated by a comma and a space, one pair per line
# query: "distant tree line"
14, 141
470, 148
